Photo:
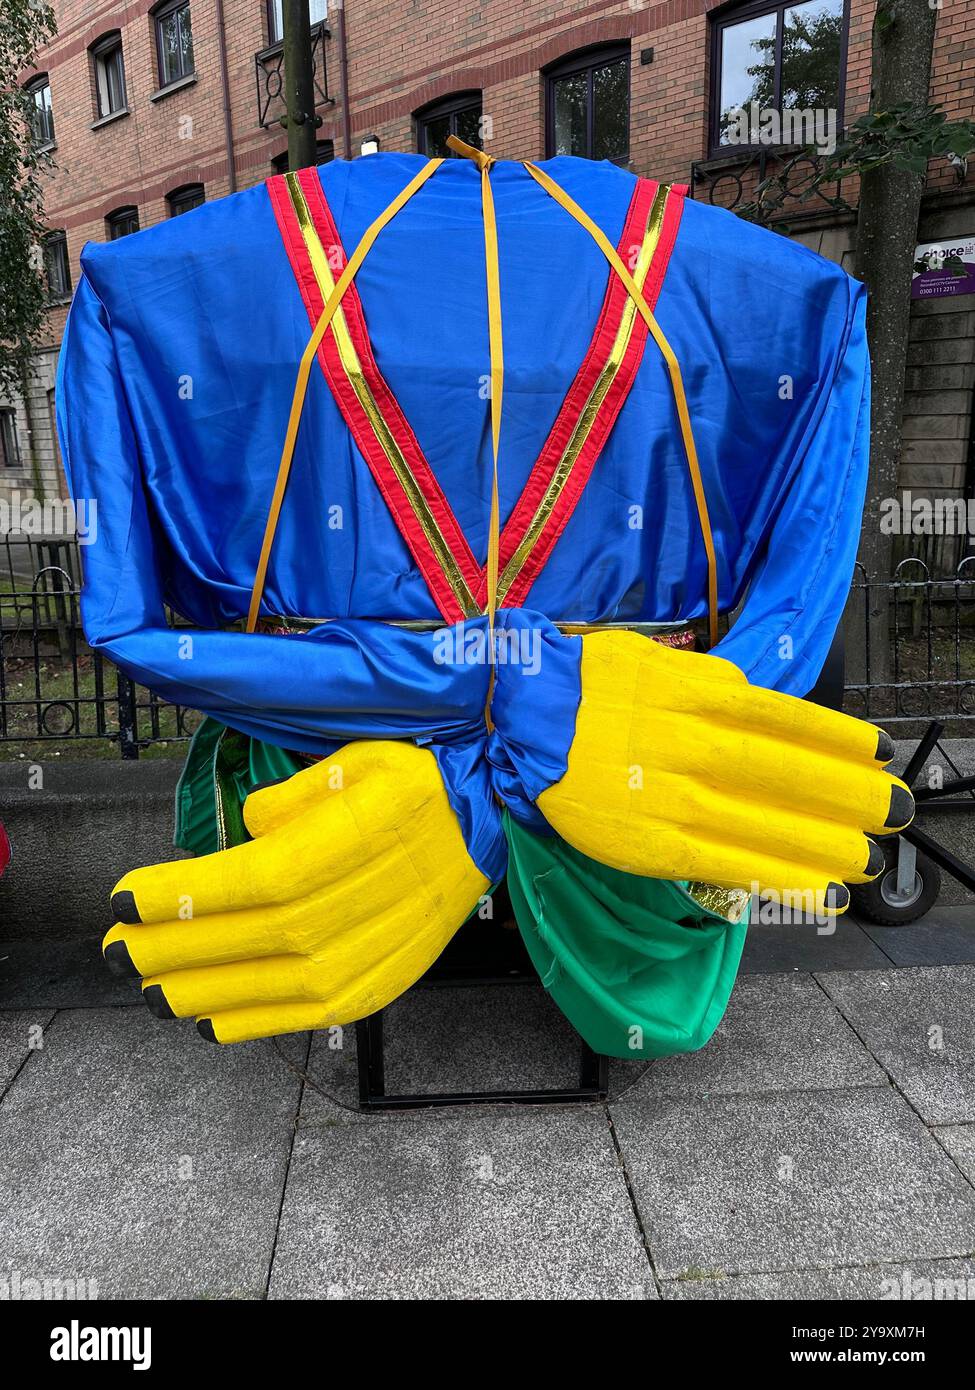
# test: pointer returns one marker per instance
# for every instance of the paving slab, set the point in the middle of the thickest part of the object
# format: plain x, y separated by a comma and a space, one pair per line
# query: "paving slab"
21, 1034
478, 1203
920, 1025
774, 947
758, 1184
959, 1140
136, 1155
921, 1280
780, 1033
60, 973
943, 936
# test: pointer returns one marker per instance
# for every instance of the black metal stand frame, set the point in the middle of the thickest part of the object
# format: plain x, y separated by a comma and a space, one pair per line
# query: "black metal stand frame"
593, 1067
954, 795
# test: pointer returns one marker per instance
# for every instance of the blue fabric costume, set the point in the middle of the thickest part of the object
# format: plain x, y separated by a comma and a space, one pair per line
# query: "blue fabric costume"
175, 381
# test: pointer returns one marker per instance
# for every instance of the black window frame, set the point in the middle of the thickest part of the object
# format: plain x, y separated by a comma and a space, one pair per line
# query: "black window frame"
104, 48
274, 38
186, 193
58, 240
587, 60
9, 436
160, 13
450, 106
324, 154
41, 82
735, 13
120, 217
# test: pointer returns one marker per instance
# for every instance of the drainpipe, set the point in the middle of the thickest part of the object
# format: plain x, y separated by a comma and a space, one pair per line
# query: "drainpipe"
344, 64
228, 120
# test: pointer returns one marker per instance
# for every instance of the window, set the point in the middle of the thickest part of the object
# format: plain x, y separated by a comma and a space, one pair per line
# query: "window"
185, 199
56, 265
317, 13
174, 41
775, 59
588, 104
324, 154
122, 222
109, 75
9, 447
458, 115
41, 114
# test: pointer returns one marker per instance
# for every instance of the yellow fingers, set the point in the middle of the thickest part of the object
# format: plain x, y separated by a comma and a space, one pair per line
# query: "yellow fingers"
769, 770
679, 770
324, 841
694, 683
265, 1021
277, 803
337, 910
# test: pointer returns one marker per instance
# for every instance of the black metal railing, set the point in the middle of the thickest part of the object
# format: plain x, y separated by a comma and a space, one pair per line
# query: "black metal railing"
917, 662
269, 70
58, 694
769, 184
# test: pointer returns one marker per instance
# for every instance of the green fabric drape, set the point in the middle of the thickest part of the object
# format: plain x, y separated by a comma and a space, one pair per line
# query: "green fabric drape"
637, 966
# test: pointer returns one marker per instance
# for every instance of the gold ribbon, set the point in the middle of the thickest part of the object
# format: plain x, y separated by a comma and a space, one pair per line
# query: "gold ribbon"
496, 348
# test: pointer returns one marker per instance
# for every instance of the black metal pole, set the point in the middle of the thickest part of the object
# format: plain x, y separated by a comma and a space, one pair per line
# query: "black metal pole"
299, 84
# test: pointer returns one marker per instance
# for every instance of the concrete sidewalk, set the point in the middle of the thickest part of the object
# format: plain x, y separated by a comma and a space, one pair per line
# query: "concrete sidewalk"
823, 1144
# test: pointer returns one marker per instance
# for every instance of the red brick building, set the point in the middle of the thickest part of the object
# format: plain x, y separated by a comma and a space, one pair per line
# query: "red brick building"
149, 109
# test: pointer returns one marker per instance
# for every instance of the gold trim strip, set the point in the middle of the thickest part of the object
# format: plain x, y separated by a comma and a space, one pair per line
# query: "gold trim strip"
384, 436
597, 396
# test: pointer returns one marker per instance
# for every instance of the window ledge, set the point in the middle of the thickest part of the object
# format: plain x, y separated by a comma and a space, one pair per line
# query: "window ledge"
179, 85
277, 47
46, 148
57, 303
107, 120
744, 154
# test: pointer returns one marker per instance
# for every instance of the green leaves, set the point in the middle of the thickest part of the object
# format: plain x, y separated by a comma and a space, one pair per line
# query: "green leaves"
25, 26
903, 135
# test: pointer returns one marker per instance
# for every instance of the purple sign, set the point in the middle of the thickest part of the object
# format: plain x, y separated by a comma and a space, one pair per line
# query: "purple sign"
944, 268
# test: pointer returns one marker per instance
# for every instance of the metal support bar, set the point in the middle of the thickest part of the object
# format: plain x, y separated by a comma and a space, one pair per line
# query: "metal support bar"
593, 1080
922, 752
941, 856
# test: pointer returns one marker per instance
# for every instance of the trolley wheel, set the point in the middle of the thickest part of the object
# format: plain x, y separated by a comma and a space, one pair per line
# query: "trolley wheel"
880, 902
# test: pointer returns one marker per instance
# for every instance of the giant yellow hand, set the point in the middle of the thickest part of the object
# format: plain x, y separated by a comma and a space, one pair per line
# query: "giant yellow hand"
356, 879
681, 769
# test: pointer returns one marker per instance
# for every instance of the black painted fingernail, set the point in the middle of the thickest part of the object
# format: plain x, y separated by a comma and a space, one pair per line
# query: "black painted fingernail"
157, 1002
837, 896
876, 860
204, 1026
901, 811
119, 961
885, 747
124, 908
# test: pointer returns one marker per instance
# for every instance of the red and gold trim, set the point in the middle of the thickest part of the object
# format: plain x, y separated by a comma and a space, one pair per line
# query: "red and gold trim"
370, 410
596, 396
388, 444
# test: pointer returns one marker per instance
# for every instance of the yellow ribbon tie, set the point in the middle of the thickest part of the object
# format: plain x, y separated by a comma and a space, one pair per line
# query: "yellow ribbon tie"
484, 162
